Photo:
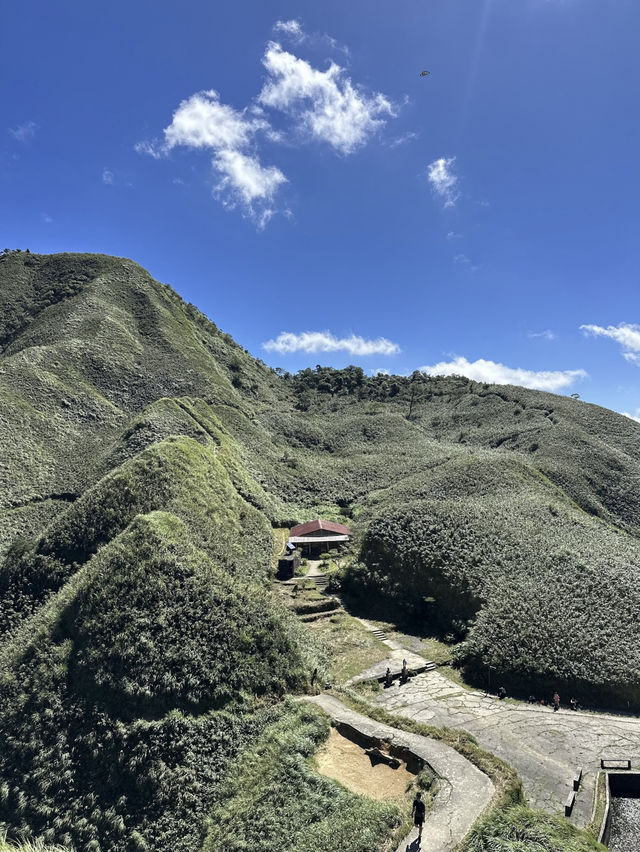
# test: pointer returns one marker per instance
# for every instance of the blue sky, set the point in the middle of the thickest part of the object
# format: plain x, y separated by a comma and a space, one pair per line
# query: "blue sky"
286, 168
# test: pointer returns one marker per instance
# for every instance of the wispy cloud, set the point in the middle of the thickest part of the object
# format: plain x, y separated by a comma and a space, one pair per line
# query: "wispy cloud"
443, 181
403, 139
464, 261
108, 177
499, 374
25, 131
325, 105
547, 334
292, 29
324, 341
453, 235
626, 334
46, 219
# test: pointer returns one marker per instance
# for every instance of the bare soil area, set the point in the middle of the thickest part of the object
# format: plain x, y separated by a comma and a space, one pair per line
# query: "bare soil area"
346, 762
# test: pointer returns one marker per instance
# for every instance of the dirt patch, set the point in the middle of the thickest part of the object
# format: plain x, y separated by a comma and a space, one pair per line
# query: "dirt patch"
346, 762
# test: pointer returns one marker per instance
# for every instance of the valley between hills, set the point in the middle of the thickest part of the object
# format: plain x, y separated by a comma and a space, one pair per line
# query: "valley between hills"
152, 666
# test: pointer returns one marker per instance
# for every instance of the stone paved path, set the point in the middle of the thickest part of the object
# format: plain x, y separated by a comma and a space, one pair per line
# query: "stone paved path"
397, 654
464, 792
543, 746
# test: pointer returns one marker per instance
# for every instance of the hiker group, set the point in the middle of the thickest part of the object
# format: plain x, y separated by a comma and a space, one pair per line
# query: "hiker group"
404, 675
553, 702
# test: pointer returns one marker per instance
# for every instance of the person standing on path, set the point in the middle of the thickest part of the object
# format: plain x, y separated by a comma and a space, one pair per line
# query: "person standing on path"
417, 812
556, 702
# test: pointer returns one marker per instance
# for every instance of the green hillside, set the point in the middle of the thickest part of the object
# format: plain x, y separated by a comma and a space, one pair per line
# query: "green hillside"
146, 459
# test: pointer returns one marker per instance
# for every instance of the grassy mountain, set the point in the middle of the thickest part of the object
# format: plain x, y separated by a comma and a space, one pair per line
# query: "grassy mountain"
146, 458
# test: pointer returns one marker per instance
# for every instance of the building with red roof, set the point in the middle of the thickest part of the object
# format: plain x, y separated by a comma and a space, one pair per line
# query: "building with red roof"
319, 532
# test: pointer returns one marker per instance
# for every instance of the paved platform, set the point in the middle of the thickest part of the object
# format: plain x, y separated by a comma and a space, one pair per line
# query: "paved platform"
544, 747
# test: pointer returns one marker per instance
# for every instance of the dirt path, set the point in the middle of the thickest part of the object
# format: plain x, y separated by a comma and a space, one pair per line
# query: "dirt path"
464, 792
314, 568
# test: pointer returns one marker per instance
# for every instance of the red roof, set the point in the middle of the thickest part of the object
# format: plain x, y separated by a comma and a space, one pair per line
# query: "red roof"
314, 526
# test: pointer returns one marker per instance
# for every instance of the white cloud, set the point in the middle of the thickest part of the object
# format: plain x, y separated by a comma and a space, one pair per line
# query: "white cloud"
107, 176
323, 341
245, 182
292, 29
626, 334
443, 181
24, 131
547, 334
499, 374
453, 235
202, 122
635, 416
325, 105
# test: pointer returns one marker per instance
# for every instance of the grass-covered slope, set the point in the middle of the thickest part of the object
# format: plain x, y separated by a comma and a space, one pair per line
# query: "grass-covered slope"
274, 801
487, 529
178, 474
89, 342
125, 697
520, 829
540, 591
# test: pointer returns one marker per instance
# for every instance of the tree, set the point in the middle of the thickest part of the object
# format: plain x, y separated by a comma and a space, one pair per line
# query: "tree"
416, 382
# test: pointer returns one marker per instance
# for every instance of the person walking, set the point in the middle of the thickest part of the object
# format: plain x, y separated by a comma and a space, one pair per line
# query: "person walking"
417, 812
556, 702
